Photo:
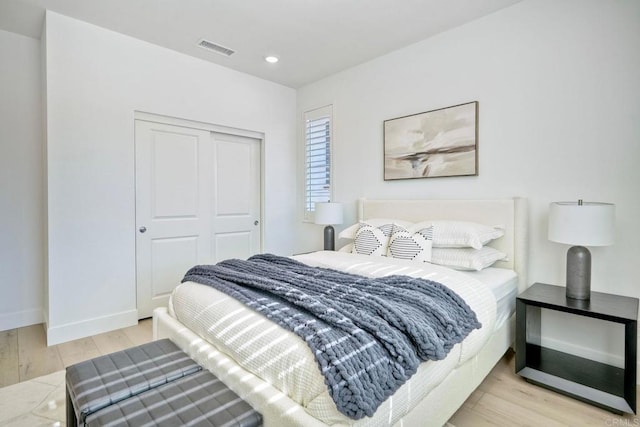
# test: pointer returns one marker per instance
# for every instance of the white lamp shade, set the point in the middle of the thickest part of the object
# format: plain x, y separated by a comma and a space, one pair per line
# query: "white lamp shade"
586, 224
328, 213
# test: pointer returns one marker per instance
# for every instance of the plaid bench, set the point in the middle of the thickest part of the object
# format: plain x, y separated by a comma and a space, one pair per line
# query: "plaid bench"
172, 389
198, 399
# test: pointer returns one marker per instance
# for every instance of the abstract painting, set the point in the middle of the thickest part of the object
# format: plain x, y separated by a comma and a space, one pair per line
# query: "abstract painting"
436, 143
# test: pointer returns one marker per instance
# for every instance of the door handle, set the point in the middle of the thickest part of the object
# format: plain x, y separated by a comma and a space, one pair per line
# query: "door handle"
256, 222
143, 229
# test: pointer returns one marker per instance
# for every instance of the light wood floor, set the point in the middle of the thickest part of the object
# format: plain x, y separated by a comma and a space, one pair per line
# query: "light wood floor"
506, 399
24, 353
503, 399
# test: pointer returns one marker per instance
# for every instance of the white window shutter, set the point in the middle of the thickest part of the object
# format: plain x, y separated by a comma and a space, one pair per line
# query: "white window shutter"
317, 158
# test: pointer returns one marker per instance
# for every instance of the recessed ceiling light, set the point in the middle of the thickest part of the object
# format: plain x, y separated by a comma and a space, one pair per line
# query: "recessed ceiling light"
271, 59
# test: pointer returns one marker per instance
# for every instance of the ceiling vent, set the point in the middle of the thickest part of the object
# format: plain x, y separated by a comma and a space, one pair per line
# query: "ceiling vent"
206, 44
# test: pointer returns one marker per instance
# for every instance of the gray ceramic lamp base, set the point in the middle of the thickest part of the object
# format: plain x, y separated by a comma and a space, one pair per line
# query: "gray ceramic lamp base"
329, 238
578, 273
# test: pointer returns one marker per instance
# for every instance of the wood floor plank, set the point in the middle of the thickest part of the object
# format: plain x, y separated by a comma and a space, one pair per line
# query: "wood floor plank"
78, 351
506, 413
34, 357
9, 358
141, 333
110, 342
466, 417
473, 398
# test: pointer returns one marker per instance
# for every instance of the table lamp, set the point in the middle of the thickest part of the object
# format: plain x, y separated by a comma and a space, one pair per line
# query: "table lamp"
580, 224
330, 214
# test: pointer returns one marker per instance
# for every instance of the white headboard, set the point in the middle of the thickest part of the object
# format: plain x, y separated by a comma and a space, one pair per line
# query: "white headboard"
512, 214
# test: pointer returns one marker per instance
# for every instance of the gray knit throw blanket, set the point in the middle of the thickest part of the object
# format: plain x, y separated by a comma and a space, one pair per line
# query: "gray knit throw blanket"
368, 334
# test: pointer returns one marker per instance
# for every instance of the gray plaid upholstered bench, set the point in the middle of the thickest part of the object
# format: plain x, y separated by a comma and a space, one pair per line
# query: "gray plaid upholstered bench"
198, 399
152, 384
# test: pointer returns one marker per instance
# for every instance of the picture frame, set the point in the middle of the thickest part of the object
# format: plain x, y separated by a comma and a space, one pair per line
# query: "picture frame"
433, 144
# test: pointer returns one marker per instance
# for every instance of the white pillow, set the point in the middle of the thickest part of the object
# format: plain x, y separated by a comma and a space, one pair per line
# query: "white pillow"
412, 246
350, 232
466, 258
460, 234
348, 248
370, 240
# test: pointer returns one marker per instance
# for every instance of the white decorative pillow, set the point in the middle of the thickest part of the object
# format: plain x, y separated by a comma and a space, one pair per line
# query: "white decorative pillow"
413, 246
460, 234
350, 232
370, 240
466, 258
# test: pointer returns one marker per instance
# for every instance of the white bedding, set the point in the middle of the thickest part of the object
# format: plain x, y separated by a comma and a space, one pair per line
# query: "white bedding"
284, 361
503, 284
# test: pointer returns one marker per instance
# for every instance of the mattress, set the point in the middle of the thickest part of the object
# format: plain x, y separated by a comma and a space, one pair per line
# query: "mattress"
503, 284
283, 360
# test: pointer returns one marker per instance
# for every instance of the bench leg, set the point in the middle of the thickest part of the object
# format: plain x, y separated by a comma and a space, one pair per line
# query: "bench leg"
72, 421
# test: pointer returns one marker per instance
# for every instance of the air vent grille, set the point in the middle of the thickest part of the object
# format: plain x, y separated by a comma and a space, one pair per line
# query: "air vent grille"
206, 44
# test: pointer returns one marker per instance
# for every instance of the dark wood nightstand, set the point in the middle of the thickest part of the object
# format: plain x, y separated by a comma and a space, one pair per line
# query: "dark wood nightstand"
597, 383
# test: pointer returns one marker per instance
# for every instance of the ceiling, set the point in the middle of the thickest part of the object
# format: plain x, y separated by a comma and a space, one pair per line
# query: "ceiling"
312, 38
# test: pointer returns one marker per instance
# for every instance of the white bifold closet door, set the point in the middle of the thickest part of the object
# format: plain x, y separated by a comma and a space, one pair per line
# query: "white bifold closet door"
198, 198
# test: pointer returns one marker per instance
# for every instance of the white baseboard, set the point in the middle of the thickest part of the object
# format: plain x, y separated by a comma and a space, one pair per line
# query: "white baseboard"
73, 331
19, 319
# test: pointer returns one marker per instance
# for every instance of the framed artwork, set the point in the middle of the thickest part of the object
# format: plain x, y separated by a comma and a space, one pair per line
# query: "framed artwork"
436, 143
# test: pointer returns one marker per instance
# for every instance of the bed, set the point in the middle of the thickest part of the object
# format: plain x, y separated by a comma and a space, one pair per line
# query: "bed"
270, 370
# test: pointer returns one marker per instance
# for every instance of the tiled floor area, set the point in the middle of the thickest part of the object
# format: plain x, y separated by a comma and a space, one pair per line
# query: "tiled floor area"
35, 403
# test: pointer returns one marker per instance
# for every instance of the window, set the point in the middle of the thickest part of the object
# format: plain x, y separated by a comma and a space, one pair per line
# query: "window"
317, 125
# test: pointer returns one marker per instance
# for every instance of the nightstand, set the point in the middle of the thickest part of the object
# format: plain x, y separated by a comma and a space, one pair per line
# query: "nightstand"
600, 384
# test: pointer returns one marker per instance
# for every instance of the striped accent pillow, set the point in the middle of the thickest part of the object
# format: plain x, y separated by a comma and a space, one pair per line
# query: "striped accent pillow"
350, 232
370, 240
413, 246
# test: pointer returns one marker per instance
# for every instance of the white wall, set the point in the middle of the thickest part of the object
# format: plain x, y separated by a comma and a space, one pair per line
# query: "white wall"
95, 80
559, 114
21, 209
559, 119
